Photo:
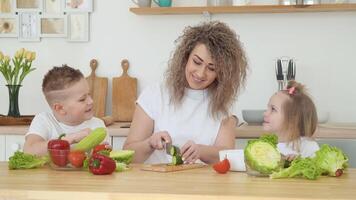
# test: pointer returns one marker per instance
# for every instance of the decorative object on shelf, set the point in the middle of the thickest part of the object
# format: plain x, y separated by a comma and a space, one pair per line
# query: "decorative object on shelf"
31, 20
219, 2
14, 74
163, 3
142, 3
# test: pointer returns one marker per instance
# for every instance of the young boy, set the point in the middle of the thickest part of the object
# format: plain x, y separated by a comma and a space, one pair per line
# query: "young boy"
67, 93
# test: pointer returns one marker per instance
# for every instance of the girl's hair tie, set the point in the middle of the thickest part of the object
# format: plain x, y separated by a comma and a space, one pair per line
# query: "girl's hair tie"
291, 90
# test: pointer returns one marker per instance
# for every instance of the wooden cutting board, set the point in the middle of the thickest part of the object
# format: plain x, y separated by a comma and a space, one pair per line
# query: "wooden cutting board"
171, 168
98, 89
124, 95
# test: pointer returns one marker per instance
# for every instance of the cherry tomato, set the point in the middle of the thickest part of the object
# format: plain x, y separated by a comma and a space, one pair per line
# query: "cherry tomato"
222, 167
76, 158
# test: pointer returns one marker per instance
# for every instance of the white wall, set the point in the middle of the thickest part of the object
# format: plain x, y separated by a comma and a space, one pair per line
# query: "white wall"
324, 45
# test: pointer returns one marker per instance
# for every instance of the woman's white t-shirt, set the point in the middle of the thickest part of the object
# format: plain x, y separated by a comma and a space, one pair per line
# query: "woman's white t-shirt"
308, 147
48, 127
190, 121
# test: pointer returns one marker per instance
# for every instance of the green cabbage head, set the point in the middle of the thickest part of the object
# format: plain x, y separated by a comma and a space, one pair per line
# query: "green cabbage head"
262, 155
331, 160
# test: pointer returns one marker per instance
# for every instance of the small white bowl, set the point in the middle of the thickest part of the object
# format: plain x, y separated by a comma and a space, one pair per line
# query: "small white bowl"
253, 116
323, 116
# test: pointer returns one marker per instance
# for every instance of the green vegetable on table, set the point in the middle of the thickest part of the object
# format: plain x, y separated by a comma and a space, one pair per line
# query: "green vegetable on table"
122, 156
22, 160
331, 160
300, 167
262, 154
90, 141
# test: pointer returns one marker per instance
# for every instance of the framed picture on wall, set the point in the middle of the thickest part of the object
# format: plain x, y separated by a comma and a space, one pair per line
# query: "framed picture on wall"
78, 5
8, 25
52, 6
28, 5
53, 26
29, 26
78, 27
7, 6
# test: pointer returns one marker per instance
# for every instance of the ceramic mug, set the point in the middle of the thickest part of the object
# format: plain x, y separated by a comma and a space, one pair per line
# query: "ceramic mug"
163, 3
142, 3
236, 158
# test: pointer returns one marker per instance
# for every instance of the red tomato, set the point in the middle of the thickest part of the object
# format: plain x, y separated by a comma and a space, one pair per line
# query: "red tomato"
101, 147
222, 167
76, 158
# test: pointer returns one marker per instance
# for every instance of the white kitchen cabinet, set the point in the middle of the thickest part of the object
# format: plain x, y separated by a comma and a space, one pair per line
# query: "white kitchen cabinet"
13, 143
2, 148
118, 142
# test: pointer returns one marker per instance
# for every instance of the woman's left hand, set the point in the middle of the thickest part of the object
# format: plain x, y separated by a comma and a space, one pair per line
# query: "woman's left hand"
190, 152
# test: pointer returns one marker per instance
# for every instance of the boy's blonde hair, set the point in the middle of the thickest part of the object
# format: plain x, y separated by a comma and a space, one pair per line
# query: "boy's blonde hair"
229, 59
59, 78
300, 116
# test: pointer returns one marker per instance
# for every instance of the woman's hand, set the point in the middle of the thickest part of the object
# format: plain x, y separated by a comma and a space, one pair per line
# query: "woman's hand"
156, 139
190, 152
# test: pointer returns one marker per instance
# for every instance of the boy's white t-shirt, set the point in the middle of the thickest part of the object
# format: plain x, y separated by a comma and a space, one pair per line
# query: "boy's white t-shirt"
190, 121
308, 147
48, 127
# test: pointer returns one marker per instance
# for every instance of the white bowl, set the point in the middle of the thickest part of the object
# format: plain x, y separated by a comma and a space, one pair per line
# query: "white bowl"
323, 116
253, 116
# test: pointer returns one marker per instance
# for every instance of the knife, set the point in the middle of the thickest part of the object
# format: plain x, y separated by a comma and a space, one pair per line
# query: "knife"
170, 148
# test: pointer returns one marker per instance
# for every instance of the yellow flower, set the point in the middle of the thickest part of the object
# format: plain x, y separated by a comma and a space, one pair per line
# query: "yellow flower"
33, 56
6, 59
20, 53
28, 55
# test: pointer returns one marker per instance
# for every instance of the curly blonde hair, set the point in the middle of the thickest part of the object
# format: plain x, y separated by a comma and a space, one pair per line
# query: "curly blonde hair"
229, 60
300, 115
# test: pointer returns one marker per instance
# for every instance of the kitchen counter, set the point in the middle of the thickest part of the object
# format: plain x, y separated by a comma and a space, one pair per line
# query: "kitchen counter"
202, 183
241, 132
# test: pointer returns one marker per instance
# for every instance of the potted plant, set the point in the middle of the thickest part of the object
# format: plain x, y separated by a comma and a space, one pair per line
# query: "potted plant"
14, 71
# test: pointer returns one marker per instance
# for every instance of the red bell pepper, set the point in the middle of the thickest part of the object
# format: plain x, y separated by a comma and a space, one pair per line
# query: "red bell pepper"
58, 143
100, 164
59, 150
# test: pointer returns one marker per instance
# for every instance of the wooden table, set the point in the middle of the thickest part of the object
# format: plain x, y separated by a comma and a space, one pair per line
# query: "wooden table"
202, 183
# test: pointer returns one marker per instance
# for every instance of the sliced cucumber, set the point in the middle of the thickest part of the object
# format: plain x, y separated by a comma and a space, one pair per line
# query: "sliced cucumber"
177, 160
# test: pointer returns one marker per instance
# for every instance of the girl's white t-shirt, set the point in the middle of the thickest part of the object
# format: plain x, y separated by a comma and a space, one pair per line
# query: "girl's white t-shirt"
48, 127
190, 121
308, 147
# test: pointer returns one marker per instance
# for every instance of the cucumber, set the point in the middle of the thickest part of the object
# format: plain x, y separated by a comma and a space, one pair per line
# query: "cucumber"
177, 160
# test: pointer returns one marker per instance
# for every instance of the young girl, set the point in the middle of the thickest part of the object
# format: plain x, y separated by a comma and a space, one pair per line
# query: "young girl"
191, 109
291, 114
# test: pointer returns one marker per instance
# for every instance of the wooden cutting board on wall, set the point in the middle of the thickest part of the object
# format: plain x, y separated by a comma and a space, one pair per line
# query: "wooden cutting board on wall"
124, 95
98, 89
171, 168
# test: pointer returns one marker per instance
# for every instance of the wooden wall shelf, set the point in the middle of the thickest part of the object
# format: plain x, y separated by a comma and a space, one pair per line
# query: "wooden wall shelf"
244, 9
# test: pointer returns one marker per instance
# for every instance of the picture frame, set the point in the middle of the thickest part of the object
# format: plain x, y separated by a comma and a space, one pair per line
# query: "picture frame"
29, 26
8, 25
53, 6
78, 5
53, 25
28, 5
78, 27
7, 6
